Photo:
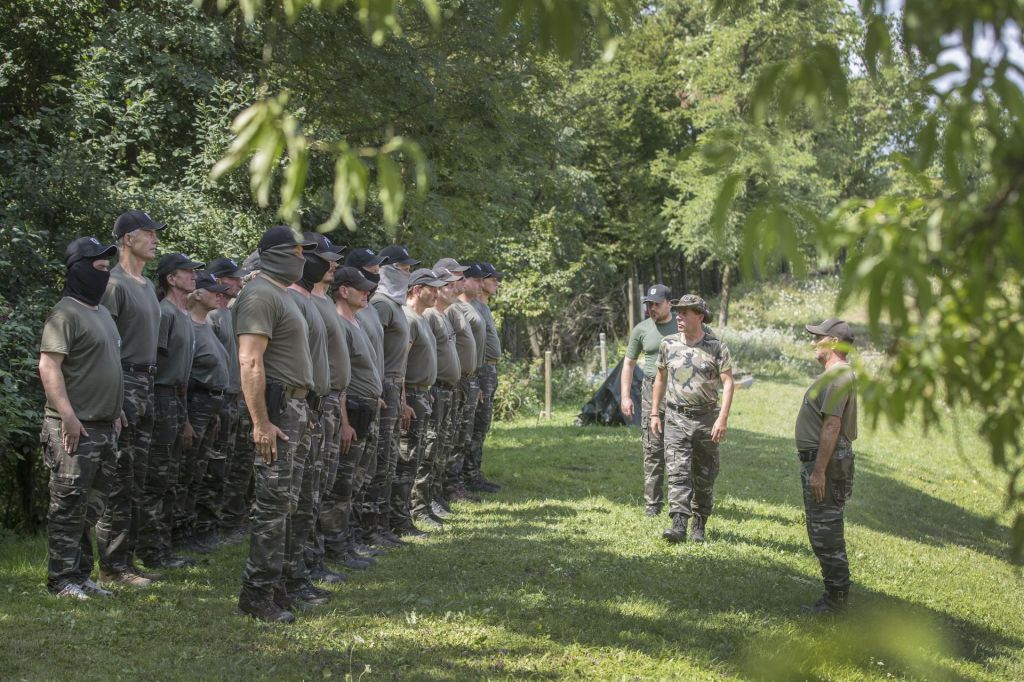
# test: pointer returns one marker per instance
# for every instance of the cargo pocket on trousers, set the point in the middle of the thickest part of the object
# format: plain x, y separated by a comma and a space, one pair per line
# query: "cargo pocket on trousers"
841, 475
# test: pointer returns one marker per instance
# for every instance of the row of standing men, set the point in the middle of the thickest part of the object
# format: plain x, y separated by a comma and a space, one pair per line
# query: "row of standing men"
232, 401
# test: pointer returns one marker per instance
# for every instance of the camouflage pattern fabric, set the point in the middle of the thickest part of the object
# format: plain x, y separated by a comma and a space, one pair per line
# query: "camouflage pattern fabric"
303, 520
413, 443
366, 465
327, 473
210, 493
693, 377
202, 411
692, 460
431, 467
488, 380
161, 474
276, 499
468, 390
118, 530
388, 444
234, 510
825, 523
77, 494
336, 512
653, 447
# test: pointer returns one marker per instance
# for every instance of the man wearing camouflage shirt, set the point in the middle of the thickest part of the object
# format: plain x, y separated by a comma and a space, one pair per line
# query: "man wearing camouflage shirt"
826, 427
693, 366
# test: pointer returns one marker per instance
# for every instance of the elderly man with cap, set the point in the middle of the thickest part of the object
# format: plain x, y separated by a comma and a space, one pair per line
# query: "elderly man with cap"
207, 383
277, 376
646, 338
396, 414
420, 375
826, 427
176, 279
488, 381
693, 367
342, 536
132, 302
428, 505
80, 368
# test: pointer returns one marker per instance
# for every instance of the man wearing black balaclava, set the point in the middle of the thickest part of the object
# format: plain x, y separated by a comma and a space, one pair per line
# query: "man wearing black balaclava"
277, 377
80, 368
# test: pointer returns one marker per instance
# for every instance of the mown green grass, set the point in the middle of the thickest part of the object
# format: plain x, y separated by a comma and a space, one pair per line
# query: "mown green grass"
561, 576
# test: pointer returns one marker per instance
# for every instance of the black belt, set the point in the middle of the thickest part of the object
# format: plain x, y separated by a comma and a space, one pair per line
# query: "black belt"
138, 369
807, 455
167, 389
212, 392
692, 410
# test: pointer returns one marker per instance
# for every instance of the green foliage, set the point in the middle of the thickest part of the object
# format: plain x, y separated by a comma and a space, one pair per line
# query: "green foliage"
517, 395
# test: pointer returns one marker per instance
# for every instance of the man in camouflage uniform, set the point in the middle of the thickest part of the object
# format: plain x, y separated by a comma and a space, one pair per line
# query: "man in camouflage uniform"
646, 338
488, 382
80, 368
277, 376
826, 427
693, 366
131, 300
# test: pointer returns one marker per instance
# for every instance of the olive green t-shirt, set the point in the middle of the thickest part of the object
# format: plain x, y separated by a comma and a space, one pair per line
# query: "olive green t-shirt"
833, 393
265, 309
422, 366
476, 324
317, 341
465, 342
370, 321
210, 361
90, 344
396, 335
646, 338
492, 344
337, 346
694, 372
365, 381
175, 345
224, 329
136, 311
448, 367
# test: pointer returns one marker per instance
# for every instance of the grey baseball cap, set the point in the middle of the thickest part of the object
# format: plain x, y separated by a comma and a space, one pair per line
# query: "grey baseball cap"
832, 327
656, 294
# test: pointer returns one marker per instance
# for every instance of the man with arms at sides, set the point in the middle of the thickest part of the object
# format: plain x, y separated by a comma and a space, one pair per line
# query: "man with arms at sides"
488, 380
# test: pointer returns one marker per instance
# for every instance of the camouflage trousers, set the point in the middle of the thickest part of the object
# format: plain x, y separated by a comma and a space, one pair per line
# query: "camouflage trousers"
336, 509
203, 409
210, 492
825, 524
161, 475
692, 461
388, 445
413, 442
488, 380
275, 501
326, 475
78, 492
654, 449
446, 481
435, 441
464, 420
117, 531
303, 521
238, 476
366, 465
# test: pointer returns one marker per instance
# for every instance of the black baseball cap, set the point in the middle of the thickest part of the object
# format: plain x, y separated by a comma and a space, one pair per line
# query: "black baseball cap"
832, 327
451, 265
135, 220
349, 276
361, 258
282, 235
426, 277
657, 294
495, 272
398, 254
206, 280
324, 248
87, 248
225, 267
474, 270
169, 262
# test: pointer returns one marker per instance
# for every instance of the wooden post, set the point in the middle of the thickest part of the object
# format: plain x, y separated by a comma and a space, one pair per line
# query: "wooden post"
547, 384
604, 355
631, 301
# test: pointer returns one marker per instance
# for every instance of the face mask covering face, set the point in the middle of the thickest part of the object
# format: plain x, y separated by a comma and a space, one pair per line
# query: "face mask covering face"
314, 271
395, 283
282, 263
85, 283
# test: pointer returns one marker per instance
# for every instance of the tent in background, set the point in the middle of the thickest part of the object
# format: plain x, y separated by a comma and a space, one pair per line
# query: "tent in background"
603, 408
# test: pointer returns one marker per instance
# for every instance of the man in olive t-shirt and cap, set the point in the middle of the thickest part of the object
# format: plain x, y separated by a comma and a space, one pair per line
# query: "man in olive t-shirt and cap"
488, 381
131, 300
277, 376
646, 338
470, 384
826, 427
80, 368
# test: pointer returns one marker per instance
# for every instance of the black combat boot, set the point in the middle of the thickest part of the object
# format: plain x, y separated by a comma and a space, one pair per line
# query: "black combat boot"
677, 533
265, 610
831, 603
697, 529
652, 509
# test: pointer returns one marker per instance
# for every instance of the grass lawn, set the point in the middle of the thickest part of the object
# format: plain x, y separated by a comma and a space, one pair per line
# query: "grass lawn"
561, 575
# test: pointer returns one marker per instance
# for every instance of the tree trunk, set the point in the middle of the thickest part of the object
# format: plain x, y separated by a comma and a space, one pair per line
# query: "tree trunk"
723, 310
533, 334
